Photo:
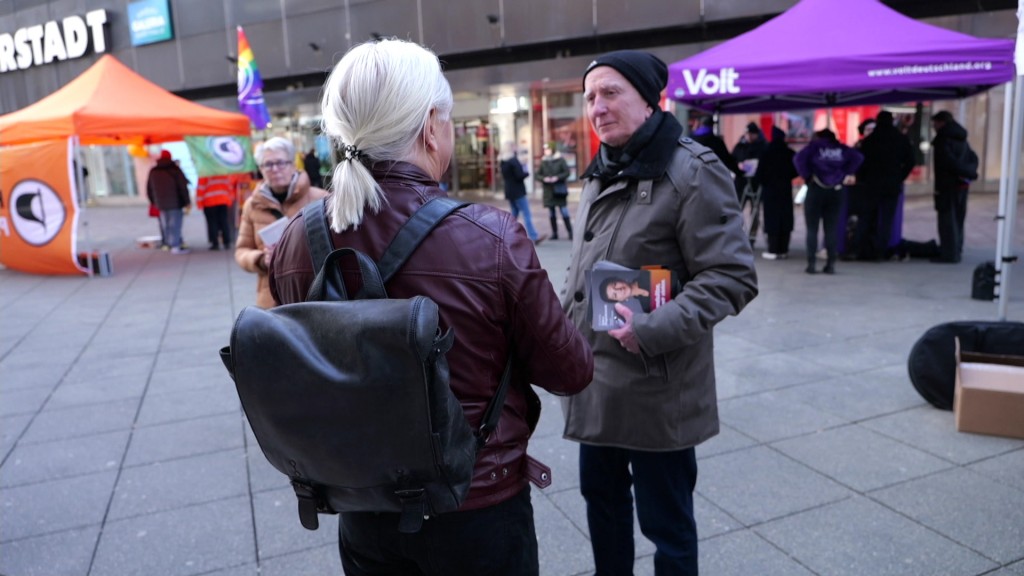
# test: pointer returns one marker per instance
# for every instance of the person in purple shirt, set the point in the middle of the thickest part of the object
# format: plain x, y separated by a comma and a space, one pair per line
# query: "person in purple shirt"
826, 165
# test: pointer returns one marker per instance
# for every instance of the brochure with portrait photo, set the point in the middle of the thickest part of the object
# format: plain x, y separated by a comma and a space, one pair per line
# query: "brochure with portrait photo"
641, 291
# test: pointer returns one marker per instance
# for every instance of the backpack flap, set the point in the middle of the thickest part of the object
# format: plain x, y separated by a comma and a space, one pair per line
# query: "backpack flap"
320, 383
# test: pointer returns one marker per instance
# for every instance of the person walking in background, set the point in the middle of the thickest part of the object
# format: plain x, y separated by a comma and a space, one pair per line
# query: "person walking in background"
283, 192
746, 153
650, 198
553, 173
888, 160
214, 196
167, 189
826, 165
513, 174
776, 172
388, 106
311, 164
956, 165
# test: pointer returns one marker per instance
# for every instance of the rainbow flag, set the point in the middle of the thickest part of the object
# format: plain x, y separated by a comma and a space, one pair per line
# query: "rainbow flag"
250, 85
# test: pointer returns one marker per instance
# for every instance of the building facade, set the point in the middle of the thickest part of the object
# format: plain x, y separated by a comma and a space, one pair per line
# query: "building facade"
515, 67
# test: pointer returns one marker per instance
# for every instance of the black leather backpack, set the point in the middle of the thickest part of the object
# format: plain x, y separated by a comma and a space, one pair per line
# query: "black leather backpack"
349, 397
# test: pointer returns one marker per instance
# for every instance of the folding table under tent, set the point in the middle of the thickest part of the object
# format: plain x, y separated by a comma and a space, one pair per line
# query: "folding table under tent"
828, 53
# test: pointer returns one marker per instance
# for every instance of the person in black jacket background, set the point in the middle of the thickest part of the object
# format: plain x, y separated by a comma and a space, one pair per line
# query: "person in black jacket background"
702, 132
888, 160
750, 147
953, 159
775, 172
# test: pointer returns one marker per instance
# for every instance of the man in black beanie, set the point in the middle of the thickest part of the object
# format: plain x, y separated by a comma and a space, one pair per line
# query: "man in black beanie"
651, 197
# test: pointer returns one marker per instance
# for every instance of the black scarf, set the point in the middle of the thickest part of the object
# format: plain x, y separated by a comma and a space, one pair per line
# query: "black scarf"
644, 157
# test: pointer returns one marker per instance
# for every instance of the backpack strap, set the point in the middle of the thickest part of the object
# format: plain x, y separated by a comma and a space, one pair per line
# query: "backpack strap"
413, 232
318, 235
493, 411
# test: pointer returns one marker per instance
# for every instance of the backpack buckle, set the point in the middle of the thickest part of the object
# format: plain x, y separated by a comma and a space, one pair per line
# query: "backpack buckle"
414, 509
306, 496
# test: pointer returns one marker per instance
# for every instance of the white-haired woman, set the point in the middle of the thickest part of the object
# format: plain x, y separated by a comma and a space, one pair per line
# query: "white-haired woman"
283, 192
387, 107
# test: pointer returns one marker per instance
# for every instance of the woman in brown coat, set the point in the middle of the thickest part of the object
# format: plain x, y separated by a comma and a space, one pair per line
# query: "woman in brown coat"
283, 192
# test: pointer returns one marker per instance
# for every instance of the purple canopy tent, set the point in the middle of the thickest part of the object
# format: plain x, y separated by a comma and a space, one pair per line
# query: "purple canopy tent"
824, 53
827, 53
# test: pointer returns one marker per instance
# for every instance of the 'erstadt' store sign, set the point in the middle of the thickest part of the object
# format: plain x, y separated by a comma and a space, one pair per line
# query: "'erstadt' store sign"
44, 43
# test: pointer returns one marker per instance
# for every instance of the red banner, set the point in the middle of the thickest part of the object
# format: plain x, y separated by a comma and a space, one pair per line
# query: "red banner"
38, 209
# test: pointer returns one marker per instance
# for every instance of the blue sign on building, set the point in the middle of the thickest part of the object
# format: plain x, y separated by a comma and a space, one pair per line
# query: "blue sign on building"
150, 21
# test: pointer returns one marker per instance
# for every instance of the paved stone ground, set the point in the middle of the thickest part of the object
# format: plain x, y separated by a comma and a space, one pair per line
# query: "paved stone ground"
123, 449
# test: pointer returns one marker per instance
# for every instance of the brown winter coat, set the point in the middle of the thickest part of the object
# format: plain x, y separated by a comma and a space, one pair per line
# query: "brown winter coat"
689, 221
257, 213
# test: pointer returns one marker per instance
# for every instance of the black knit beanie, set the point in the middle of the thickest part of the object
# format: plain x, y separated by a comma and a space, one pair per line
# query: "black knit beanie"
645, 71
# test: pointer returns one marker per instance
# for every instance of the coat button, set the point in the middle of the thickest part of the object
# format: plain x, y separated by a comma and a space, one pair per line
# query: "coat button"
504, 471
588, 236
578, 296
643, 194
494, 475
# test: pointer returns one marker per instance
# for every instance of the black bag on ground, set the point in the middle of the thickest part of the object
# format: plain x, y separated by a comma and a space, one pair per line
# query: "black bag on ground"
350, 398
983, 284
914, 249
932, 360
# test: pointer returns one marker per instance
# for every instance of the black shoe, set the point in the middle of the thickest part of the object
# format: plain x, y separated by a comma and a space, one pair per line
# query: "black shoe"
829, 269
810, 269
214, 247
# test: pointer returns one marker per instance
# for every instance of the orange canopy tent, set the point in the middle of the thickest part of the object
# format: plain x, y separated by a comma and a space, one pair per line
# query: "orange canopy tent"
111, 104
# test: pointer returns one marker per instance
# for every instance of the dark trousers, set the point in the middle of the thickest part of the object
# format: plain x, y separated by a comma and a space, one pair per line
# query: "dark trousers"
874, 226
496, 541
822, 205
218, 228
663, 484
951, 209
778, 243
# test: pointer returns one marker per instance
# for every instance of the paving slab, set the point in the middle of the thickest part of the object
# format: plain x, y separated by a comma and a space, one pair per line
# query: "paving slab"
859, 458
759, 484
745, 553
989, 517
43, 461
48, 507
857, 536
37, 557
177, 483
184, 542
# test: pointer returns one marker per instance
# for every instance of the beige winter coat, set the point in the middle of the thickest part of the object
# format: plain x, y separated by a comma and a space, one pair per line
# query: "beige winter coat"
257, 213
689, 221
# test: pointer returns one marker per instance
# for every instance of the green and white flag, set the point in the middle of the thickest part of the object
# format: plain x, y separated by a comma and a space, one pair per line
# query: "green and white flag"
217, 155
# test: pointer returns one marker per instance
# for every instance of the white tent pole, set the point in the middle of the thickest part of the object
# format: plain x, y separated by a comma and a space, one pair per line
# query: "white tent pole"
1004, 181
82, 198
1011, 202
1013, 178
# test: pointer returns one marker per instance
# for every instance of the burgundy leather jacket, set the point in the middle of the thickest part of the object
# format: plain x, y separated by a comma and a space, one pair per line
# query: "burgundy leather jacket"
482, 271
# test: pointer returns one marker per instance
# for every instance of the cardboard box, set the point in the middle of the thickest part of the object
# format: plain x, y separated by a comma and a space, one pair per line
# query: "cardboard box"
989, 396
